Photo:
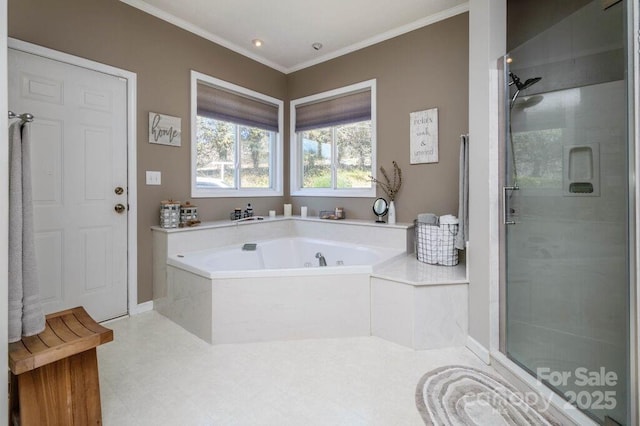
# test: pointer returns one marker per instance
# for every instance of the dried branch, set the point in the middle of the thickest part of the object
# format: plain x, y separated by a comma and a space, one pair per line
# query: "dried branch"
390, 187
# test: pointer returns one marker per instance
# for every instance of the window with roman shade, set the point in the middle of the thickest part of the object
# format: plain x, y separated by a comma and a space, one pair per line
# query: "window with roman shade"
236, 140
333, 142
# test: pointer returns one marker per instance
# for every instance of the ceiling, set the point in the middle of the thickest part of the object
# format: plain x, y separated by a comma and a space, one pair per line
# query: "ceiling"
288, 28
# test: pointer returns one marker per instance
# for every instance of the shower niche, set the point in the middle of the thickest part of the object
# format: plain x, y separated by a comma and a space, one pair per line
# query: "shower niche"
581, 171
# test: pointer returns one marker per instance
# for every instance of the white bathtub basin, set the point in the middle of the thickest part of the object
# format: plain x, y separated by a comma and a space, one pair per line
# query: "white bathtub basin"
282, 257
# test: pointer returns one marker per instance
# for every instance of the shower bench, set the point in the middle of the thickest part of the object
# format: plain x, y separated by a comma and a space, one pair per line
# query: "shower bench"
54, 374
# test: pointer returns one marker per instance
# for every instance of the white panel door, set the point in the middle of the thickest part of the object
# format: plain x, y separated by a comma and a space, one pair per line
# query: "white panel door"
79, 158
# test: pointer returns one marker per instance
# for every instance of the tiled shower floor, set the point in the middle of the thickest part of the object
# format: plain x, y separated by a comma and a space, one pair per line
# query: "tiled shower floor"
156, 373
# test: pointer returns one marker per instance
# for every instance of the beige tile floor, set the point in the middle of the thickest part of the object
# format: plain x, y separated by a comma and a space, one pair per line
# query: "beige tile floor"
156, 373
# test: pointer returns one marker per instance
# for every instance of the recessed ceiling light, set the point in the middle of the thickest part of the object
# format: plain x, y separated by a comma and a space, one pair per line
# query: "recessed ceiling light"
256, 42
317, 45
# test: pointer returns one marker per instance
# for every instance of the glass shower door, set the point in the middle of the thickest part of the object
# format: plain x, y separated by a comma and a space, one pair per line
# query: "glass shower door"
566, 200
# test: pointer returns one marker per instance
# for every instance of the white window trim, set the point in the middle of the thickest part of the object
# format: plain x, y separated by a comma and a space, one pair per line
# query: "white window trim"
296, 159
277, 163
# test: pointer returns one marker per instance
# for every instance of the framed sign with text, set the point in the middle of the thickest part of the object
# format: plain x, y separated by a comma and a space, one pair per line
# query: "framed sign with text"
423, 134
164, 129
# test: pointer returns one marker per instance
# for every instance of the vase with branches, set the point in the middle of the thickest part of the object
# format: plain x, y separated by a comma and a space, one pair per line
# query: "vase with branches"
390, 187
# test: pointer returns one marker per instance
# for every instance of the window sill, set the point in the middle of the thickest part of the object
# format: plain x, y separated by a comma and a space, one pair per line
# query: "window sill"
322, 192
235, 193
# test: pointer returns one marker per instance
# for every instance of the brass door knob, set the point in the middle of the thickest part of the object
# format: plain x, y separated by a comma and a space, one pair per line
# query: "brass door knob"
119, 208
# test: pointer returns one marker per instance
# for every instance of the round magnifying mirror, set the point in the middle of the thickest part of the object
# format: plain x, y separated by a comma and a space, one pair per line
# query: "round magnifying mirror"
380, 208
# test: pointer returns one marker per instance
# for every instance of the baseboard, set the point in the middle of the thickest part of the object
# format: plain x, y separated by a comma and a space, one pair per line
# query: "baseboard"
142, 307
480, 351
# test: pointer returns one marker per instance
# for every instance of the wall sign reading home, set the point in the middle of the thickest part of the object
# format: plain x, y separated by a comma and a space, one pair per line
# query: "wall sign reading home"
164, 129
423, 131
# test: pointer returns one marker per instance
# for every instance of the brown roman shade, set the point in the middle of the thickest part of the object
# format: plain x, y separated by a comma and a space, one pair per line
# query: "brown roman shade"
349, 108
221, 104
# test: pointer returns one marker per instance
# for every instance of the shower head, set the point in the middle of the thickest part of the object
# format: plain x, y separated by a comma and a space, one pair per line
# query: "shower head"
519, 84
530, 82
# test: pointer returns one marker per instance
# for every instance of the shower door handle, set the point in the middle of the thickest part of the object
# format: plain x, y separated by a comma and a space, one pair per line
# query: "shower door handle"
504, 204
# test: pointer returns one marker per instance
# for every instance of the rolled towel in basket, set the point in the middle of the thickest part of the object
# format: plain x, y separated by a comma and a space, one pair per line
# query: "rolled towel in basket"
428, 218
448, 219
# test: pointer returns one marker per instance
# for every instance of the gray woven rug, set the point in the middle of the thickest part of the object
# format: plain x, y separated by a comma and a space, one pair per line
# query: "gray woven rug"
464, 396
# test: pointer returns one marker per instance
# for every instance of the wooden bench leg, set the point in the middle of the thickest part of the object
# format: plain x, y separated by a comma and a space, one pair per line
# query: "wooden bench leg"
14, 407
65, 392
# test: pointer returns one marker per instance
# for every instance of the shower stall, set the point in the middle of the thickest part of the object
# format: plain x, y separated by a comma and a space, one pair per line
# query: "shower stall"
567, 183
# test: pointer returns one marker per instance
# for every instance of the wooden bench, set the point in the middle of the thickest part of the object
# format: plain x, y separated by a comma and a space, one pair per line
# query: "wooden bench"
54, 375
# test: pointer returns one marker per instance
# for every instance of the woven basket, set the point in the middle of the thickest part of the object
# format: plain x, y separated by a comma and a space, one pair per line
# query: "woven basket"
435, 244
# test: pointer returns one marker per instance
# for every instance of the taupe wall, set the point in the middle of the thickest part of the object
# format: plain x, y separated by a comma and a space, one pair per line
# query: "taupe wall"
422, 69
162, 56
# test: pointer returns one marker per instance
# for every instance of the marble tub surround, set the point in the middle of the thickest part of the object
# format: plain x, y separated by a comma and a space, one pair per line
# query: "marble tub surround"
271, 304
265, 305
411, 303
240, 310
355, 231
231, 295
225, 233
222, 233
207, 235
419, 305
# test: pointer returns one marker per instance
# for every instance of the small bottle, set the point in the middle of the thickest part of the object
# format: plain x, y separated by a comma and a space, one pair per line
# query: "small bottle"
249, 210
237, 213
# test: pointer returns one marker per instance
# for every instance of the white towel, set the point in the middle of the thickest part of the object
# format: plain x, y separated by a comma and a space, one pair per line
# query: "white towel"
449, 219
25, 312
463, 194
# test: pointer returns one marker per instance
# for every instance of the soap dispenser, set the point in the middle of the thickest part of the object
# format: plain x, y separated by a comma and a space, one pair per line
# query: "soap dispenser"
249, 210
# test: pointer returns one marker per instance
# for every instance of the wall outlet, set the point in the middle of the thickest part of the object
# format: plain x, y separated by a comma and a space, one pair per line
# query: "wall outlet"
154, 178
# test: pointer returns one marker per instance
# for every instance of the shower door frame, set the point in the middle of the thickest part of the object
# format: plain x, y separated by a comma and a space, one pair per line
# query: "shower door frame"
633, 73
498, 339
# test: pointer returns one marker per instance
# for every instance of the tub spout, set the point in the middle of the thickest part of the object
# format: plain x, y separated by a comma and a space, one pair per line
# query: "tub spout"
322, 260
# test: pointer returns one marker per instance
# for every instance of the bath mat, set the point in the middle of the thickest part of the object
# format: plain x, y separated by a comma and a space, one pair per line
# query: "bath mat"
461, 396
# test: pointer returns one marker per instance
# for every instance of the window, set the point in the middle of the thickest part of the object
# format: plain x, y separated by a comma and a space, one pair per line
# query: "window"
333, 142
236, 142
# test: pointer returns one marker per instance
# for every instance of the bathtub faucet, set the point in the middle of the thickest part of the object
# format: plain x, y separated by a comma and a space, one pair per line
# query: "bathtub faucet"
323, 261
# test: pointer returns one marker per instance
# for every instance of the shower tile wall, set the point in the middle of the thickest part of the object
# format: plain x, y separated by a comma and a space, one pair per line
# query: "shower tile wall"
584, 48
